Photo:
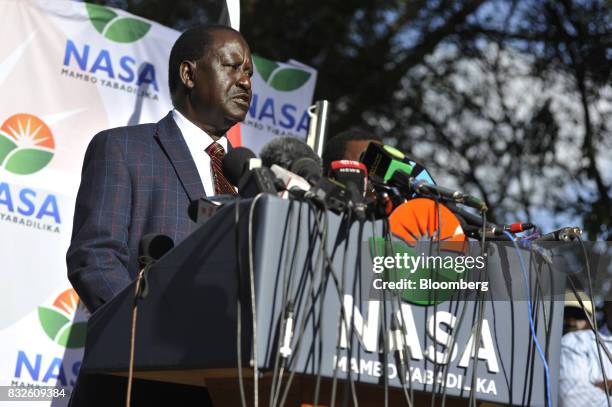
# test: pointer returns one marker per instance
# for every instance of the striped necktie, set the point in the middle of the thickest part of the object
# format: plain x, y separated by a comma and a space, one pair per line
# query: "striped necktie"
222, 185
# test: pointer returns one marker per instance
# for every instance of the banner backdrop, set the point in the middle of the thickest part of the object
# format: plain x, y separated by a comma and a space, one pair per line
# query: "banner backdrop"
68, 70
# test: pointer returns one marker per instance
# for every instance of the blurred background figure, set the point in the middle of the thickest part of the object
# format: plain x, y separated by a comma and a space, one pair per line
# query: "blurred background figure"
574, 315
585, 373
347, 145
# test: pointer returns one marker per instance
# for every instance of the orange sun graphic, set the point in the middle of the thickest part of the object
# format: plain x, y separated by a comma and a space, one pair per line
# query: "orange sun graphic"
68, 301
28, 131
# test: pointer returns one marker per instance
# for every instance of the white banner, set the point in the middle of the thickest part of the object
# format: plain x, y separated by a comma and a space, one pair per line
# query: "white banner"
67, 71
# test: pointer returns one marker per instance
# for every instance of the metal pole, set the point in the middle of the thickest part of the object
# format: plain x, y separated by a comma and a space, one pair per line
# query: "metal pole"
319, 123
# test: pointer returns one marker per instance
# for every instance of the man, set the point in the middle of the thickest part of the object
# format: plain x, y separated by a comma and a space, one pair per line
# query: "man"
575, 317
140, 179
347, 145
581, 382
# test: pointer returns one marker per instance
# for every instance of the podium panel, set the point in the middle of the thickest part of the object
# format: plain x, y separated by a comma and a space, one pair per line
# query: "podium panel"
198, 309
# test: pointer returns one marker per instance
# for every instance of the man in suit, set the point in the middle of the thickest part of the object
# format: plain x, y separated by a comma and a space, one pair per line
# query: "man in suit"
140, 179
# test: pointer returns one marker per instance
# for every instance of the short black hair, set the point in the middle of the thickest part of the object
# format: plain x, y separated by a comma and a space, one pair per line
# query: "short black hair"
283, 151
335, 147
191, 45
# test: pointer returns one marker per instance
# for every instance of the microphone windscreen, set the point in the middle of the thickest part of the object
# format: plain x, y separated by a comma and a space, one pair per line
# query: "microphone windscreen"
235, 164
347, 171
155, 245
306, 168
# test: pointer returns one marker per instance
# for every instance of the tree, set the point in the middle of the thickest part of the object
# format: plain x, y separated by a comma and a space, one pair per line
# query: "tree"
510, 100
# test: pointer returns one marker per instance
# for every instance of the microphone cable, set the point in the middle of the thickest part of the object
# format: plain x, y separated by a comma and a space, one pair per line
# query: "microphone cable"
239, 304
287, 311
596, 328
306, 311
255, 361
403, 353
531, 323
480, 308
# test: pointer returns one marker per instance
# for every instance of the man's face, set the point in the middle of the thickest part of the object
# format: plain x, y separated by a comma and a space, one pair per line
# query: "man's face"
354, 148
222, 91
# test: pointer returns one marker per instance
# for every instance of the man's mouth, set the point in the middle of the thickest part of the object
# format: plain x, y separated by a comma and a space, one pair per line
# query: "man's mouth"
243, 99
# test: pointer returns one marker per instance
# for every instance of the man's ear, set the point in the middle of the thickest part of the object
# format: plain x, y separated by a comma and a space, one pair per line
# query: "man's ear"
187, 71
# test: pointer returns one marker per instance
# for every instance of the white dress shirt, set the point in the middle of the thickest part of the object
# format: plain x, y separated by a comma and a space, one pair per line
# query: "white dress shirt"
581, 368
198, 141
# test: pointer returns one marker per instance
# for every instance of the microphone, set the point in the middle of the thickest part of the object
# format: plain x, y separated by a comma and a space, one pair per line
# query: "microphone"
566, 234
307, 168
201, 210
410, 185
347, 171
236, 162
284, 151
244, 171
151, 248
382, 161
289, 181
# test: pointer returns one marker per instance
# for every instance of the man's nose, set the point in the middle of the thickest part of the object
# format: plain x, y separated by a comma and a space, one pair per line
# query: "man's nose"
244, 81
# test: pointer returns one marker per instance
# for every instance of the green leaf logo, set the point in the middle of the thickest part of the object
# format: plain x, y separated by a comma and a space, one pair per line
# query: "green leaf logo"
26, 144
57, 321
27, 161
114, 27
279, 78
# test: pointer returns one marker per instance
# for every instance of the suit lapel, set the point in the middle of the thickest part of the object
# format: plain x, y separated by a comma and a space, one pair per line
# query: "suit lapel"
174, 145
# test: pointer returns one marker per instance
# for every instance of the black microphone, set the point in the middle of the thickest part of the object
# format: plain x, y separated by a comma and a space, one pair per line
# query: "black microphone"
410, 185
307, 168
151, 248
566, 234
236, 163
202, 209
347, 171
244, 171
284, 151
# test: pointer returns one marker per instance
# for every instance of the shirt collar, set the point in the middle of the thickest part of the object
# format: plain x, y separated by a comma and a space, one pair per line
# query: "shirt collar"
196, 138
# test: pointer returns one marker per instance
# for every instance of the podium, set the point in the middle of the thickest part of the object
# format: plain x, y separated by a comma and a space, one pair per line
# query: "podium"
198, 310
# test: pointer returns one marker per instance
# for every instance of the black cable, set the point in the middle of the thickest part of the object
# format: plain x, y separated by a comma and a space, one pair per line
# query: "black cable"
596, 329
342, 316
253, 303
323, 291
304, 318
239, 304
284, 301
480, 304
403, 352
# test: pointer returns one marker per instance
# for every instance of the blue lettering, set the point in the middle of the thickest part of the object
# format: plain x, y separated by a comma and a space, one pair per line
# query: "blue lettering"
23, 197
304, 122
253, 107
103, 63
267, 110
5, 196
22, 360
72, 50
147, 75
287, 113
49, 208
123, 62
60, 376
75, 371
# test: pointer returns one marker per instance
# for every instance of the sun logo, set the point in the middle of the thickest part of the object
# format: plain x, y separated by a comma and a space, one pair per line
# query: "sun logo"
26, 144
58, 320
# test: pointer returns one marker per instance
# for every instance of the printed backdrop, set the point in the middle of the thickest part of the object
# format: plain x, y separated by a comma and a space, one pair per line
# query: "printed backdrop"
68, 70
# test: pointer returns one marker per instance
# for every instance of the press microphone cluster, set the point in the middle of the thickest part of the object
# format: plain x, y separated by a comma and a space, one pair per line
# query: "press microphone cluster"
390, 166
